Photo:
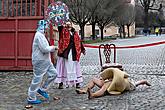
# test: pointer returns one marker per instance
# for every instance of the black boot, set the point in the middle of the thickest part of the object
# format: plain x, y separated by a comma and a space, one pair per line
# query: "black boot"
78, 85
60, 86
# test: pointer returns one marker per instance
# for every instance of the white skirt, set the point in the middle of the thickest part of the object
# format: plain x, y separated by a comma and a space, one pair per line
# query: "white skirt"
68, 71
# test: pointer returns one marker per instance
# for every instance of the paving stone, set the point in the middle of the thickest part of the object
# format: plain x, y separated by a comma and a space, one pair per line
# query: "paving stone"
141, 63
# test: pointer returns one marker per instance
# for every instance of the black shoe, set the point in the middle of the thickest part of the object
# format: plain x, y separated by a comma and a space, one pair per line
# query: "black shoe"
78, 85
60, 86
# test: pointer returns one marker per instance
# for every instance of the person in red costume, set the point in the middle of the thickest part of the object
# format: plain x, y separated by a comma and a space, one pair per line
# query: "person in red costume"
69, 52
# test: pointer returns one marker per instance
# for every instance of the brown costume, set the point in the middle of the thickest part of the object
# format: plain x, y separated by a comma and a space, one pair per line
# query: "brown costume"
120, 81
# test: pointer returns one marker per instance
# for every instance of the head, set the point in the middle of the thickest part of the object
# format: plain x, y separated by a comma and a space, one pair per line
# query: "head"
69, 25
41, 25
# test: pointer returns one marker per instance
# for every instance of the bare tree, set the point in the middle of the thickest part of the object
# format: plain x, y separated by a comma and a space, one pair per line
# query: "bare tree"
149, 5
130, 14
125, 15
94, 17
105, 15
103, 21
93, 22
161, 16
154, 17
120, 18
139, 15
81, 12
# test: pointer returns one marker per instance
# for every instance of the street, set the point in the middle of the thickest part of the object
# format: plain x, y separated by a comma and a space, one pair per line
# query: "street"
140, 63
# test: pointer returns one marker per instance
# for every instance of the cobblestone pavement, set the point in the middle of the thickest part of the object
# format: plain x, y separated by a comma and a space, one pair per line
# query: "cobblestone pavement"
141, 63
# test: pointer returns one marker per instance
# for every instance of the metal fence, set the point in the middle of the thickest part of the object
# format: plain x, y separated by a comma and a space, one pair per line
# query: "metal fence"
18, 21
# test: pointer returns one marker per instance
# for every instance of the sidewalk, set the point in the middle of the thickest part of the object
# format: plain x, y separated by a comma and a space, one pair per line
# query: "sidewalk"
142, 63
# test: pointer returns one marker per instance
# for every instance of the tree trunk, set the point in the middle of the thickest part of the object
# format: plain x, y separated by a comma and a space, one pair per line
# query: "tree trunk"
146, 19
120, 35
123, 31
120, 31
128, 30
102, 32
82, 31
93, 31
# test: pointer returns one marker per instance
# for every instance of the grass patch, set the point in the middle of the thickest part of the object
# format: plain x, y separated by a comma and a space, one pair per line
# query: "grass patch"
98, 40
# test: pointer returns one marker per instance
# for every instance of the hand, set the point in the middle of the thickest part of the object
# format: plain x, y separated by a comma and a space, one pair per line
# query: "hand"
56, 48
100, 78
84, 52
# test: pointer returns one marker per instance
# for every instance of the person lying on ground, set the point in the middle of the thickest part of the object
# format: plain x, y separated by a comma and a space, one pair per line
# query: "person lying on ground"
111, 81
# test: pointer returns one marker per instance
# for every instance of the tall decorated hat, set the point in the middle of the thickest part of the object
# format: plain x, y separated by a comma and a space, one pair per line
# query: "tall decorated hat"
57, 13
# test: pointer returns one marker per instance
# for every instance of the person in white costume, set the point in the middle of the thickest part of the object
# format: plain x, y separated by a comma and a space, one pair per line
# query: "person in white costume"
42, 65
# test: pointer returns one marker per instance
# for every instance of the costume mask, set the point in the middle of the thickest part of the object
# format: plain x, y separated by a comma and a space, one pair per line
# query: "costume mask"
42, 25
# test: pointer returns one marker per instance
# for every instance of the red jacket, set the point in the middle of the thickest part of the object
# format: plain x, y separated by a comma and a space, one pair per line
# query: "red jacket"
64, 41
